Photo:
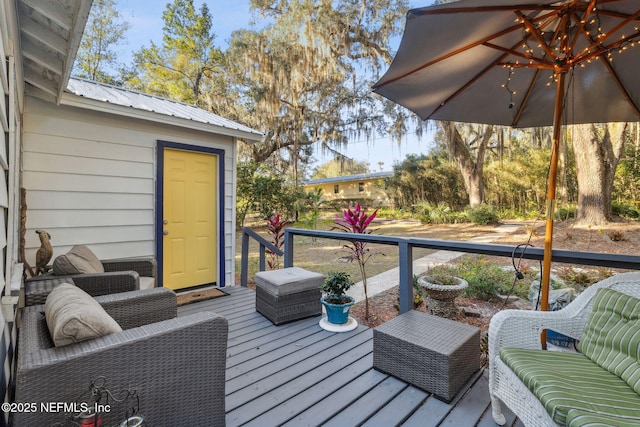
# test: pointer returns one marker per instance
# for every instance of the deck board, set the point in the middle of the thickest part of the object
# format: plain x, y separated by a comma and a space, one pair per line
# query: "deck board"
297, 374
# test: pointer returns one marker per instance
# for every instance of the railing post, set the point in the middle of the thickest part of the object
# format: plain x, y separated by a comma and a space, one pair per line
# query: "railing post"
288, 249
262, 258
406, 276
244, 262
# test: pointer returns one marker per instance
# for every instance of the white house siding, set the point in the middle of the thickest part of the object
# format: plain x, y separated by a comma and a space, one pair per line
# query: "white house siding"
90, 179
10, 115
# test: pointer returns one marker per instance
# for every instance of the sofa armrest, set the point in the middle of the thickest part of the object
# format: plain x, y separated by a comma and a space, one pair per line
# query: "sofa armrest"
137, 308
146, 267
186, 354
38, 288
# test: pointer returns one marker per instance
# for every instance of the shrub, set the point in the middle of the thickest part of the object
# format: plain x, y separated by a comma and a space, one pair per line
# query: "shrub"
583, 277
624, 210
486, 279
566, 212
617, 236
482, 215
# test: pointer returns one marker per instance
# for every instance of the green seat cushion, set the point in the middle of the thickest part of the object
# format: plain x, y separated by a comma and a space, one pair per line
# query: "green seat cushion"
563, 381
579, 418
612, 335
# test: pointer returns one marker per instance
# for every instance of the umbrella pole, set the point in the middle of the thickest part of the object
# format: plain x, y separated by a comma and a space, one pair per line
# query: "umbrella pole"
551, 199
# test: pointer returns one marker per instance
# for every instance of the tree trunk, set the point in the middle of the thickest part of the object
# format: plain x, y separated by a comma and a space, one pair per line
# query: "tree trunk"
597, 155
472, 172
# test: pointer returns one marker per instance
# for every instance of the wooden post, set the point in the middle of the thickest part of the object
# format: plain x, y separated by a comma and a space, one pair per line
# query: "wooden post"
551, 199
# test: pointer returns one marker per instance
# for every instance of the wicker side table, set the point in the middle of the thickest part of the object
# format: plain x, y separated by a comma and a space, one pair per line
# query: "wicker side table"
435, 354
288, 294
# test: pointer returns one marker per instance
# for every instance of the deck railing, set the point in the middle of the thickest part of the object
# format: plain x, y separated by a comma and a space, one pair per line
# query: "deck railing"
406, 244
248, 234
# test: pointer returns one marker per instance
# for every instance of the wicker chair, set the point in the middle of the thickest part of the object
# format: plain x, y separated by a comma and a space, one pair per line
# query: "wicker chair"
522, 329
175, 365
121, 275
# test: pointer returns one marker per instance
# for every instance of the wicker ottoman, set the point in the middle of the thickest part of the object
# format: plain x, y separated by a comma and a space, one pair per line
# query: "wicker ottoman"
435, 354
289, 294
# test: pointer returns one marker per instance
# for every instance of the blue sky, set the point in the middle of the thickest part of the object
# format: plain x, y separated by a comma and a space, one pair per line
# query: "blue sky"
145, 17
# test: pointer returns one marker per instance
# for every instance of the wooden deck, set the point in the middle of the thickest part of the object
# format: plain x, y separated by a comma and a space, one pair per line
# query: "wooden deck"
300, 375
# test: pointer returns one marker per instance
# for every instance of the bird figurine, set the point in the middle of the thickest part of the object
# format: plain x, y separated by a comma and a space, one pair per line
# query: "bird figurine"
45, 252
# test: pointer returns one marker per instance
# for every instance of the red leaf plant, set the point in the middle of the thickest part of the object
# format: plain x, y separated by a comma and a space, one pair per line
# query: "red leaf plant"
275, 225
355, 220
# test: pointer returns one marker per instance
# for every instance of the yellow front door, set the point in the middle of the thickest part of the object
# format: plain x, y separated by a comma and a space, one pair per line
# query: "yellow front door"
190, 237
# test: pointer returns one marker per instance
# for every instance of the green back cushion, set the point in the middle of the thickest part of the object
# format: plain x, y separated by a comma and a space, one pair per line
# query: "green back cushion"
611, 337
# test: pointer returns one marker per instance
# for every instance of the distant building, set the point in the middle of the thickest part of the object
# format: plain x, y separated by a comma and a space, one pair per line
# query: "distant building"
367, 189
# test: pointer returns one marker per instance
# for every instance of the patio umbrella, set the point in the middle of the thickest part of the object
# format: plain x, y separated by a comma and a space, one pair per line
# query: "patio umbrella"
520, 63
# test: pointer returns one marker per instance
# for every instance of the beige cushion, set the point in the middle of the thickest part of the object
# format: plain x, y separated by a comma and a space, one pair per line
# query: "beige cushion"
78, 260
73, 315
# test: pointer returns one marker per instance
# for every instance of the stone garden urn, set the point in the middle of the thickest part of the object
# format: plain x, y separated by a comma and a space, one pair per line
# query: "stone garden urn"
440, 294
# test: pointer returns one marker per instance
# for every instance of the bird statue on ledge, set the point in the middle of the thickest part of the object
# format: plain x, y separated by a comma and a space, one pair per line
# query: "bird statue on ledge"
45, 252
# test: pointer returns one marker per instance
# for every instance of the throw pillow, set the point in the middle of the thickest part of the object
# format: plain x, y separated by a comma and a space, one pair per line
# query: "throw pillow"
612, 335
72, 315
79, 260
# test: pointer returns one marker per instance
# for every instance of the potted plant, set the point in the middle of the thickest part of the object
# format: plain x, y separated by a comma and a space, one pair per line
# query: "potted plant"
440, 288
336, 302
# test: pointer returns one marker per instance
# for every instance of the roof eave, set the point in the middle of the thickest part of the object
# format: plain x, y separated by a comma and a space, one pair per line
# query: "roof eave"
72, 100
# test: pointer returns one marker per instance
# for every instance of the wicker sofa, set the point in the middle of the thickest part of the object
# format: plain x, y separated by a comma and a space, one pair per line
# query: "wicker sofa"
121, 275
175, 365
599, 384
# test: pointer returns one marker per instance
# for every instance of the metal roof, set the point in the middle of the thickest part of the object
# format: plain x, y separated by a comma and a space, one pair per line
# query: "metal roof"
140, 101
358, 177
50, 33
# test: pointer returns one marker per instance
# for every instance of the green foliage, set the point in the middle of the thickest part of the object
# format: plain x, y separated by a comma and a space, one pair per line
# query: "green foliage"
391, 213
335, 286
311, 205
566, 212
187, 63
259, 191
426, 179
625, 210
581, 277
442, 275
340, 167
105, 29
483, 215
486, 279
440, 213
505, 186
300, 79
417, 295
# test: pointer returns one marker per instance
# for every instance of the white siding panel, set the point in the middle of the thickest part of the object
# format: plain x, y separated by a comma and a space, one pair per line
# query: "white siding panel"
87, 218
86, 166
90, 149
82, 183
91, 235
106, 251
38, 199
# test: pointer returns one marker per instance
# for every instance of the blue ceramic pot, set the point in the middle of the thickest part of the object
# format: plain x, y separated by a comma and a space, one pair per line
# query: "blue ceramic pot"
337, 314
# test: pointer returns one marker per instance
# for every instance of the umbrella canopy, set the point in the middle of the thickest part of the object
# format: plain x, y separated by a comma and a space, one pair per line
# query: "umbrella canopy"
497, 61
520, 63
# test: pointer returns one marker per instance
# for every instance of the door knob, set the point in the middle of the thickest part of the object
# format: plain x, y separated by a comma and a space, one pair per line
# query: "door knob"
165, 222
165, 232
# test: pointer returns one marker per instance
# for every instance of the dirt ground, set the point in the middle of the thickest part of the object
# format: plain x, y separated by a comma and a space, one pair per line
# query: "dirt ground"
620, 237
